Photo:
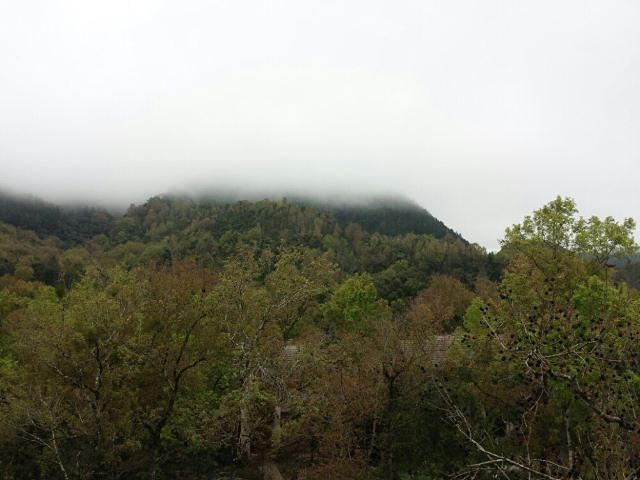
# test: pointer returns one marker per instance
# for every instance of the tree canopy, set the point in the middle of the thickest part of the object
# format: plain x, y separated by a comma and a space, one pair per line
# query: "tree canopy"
278, 340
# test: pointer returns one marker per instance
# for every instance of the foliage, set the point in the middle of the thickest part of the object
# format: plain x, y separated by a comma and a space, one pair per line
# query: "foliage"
278, 339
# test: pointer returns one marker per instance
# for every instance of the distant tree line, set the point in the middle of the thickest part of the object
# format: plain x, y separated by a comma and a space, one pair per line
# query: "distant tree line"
71, 225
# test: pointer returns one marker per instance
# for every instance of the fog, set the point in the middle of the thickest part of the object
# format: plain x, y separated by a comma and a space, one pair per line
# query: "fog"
480, 111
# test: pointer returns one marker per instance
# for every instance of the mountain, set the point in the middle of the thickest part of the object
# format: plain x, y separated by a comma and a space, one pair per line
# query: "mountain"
384, 214
392, 217
71, 225
395, 240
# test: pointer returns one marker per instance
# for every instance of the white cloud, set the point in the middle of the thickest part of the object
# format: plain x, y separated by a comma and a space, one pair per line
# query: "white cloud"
480, 111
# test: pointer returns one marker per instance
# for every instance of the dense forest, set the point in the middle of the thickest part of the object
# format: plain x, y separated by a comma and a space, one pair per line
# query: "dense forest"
289, 339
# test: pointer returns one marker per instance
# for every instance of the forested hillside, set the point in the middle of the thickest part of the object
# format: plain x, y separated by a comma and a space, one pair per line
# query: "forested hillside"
387, 215
166, 228
200, 339
71, 225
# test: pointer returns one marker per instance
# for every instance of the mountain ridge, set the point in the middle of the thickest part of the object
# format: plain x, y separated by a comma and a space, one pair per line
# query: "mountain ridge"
384, 214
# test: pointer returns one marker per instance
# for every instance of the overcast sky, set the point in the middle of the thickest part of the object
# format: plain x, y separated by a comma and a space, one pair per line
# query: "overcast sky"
481, 111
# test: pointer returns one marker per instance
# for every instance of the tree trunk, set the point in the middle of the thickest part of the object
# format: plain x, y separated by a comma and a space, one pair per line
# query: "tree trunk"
244, 439
155, 460
270, 470
567, 424
276, 429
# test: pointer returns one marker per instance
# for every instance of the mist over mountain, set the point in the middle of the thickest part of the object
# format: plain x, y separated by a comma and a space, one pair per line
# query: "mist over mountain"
386, 214
72, 224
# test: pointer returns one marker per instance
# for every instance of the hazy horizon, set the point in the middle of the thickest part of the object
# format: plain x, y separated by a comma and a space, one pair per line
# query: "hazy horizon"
226, 193
478, 111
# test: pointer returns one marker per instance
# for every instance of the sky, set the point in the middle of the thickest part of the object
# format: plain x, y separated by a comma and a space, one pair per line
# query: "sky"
480, 111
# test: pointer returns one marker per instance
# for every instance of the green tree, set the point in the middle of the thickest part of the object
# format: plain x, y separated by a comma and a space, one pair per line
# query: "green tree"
553, 362
354, 305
